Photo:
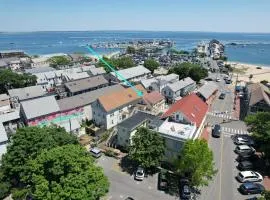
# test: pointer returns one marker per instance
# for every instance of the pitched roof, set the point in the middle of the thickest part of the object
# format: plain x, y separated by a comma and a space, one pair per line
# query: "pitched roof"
258, 92
3, 97
119, 98
80, 100
97, 71
39, 70
39, 107
27, 92
87, 83
180, 84
191, 106
133, 72
208, 89
135, 120
153, 97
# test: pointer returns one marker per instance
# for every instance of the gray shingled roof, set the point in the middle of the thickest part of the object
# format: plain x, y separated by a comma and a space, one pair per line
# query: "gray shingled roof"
39, 107
133, 72
208, 89
135, 120
258, 92
39, 70
85, 98
181, 84
3, 97
87, 83
27, 92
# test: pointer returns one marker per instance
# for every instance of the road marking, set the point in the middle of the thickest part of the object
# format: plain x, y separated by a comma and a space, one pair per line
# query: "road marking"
220, 172
149, 187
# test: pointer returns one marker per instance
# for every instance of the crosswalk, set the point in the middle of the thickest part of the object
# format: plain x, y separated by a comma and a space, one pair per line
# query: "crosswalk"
222, 115
232, 131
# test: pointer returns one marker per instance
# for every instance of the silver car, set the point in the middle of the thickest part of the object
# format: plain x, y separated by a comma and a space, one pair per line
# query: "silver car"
139, 174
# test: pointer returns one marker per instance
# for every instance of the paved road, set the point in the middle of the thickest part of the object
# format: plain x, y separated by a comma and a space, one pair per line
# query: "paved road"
224, 185
123, 185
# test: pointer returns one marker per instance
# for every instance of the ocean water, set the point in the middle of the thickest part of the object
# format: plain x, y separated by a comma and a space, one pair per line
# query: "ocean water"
251, 48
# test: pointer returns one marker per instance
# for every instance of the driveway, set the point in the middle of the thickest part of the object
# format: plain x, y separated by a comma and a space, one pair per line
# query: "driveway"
123, 185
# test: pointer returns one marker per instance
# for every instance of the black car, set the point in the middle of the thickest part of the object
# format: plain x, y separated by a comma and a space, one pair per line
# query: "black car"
163, 180
216, 132
251, 188
245, 165
247, 157
185, 189
222, 96
129, 198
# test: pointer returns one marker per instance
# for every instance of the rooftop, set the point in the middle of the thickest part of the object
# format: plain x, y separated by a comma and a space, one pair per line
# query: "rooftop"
80, 100
27, 92
208, 89
191, 106
153, 97
97, 71
39, 70
177, 130
13, 115
258, 92
87, 83
132, 72
135, 120
39, 107
3, 97
181, 84
119, 98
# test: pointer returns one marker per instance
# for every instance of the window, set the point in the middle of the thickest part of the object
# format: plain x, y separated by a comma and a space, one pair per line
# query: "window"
111, 115
112, 121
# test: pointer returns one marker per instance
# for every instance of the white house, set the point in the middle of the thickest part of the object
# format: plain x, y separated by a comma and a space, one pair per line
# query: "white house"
111, 109
4, 103
176, 90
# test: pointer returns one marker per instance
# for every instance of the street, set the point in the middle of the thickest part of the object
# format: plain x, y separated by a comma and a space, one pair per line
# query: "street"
224, 186
123, 185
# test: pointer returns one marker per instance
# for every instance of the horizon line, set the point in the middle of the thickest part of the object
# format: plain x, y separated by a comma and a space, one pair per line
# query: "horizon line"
126, 30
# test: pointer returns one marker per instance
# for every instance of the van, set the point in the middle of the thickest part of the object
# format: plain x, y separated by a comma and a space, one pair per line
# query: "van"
95, 152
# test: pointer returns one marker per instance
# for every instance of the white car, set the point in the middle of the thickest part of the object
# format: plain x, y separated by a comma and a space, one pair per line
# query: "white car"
249, 176
244, 149
240, 140
139, 175
217, 79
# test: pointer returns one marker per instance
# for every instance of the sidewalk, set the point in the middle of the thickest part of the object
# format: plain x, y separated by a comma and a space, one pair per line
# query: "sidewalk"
205, 133
236, 112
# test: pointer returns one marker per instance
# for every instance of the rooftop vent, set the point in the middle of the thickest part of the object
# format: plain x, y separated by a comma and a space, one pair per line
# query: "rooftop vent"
129, 95
172, 128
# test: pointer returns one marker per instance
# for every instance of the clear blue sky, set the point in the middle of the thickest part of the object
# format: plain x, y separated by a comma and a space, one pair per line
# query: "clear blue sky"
164, 15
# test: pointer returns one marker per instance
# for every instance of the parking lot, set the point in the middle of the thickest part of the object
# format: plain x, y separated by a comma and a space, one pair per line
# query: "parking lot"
123, 185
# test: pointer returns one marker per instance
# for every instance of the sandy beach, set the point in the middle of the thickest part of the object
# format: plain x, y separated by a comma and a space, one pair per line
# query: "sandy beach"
245, 70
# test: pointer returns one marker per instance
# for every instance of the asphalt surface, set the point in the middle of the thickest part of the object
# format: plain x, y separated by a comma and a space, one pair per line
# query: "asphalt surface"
123, 185
224, 186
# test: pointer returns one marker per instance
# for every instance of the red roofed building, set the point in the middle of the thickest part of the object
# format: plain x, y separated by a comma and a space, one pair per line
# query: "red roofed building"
188, 110
154, 101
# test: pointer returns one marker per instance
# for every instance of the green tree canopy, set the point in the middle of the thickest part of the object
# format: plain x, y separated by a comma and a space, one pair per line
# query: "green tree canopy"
260, 127
26, 144
131, 50
194, 71
59, 60
117, 63
147, 148
10, 80
151, 64
66, 172
196, 162
179, 52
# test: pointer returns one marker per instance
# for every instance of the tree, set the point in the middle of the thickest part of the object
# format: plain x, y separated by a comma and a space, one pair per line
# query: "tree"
250, 77
151, 64
116, 63
26, 144
66, 172
56, 61
260, 127
186, 69
10, 80
131, 50
147, 148
196, 162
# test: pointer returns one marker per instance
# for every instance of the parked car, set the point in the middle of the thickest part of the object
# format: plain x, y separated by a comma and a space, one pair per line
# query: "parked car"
139, 174
249, 176
248, 157
228, 81
95, 152
245, 165
251, 188
244, 141
216, 132
129, 198
185, 189
244, 149
222, 96
163, 180
217, 79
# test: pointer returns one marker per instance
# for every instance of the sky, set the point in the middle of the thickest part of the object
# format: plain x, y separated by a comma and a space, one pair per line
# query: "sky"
155, 15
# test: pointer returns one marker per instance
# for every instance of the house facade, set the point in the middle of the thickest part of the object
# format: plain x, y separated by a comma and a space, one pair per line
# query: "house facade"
176, 90
111, 109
